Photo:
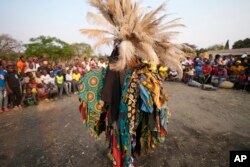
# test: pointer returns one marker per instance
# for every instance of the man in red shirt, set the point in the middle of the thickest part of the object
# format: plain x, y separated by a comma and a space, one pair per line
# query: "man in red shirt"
206, 71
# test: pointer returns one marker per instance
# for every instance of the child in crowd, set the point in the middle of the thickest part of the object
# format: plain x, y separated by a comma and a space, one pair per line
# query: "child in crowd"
38, 78
52, 91
45, 78
191, 72
29, 98
42, 92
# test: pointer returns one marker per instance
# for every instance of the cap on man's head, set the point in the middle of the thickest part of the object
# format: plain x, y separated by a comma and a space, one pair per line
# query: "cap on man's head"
244, 56
238, 62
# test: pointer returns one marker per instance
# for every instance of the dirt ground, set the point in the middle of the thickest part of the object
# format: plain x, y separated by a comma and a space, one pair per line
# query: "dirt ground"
203, 128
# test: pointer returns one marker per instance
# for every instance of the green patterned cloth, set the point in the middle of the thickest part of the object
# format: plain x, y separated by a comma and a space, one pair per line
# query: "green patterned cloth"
89, 88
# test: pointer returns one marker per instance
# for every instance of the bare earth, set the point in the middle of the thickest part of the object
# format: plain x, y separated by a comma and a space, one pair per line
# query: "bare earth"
203, 128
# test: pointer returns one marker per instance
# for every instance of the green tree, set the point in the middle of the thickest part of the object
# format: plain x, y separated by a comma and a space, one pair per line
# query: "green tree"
82, 50
242, 44
211, 48
216, 47
227, 45
51, 46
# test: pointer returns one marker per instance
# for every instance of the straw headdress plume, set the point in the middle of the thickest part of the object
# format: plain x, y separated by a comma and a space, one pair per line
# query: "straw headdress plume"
141, 34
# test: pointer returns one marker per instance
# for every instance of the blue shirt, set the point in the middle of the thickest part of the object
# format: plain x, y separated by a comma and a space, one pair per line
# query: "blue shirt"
198, 69
2, 78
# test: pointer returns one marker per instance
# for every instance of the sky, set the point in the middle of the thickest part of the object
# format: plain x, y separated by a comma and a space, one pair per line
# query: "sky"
207, 22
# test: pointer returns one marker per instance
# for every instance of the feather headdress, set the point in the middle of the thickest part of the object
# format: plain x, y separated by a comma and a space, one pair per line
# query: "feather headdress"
143, 35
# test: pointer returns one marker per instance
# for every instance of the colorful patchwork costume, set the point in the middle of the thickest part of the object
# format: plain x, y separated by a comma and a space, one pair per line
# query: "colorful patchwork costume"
127, 101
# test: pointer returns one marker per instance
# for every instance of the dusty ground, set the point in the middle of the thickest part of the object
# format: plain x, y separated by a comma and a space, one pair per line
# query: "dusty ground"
203, 128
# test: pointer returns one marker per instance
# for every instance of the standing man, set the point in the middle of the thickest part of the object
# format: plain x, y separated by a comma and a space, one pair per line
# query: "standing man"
3, 92
21, 65
14, 87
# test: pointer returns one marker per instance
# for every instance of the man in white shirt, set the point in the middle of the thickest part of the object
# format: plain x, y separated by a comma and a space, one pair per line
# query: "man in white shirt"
45, 78
68, 82
101, 63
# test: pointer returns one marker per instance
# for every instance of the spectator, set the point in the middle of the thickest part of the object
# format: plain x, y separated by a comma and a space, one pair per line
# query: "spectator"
53, 91
30, 68
28, 98
198, 72
236, 70
3, 91
60, 84
69, 80
76, 78
21, 65
206, 71
42, 92
222, 74
102, 63
38, 78
14, 87
45, 78
241, 81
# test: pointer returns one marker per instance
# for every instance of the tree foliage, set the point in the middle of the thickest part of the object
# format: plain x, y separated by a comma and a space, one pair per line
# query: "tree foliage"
9, 47
51, 46
242, 44
227, 45
216, 47
82, 50
211, 48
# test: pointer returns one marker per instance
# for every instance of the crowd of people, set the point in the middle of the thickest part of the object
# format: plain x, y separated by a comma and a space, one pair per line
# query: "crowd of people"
221, 69
29, 81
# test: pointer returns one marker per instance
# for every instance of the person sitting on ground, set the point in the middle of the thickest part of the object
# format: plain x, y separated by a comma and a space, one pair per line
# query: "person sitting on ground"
33, 86
191, 72
206, 72
42, 92
198, 72
222, 74
242, 81
29, 98
60, 84
236, 70
52, 91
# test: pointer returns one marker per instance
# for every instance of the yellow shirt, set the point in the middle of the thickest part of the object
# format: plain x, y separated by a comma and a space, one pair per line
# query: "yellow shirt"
76, 76
236, 70
59, 79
